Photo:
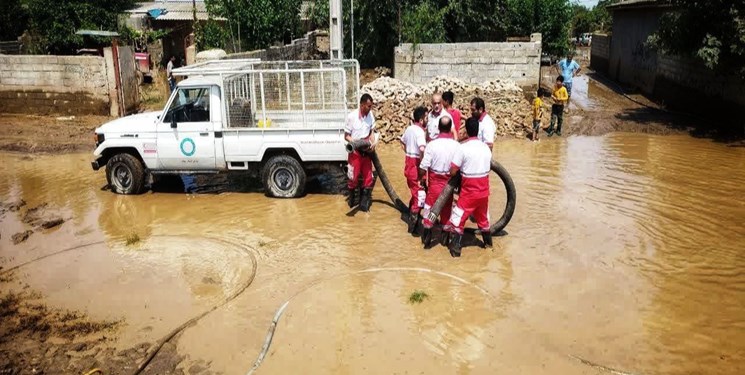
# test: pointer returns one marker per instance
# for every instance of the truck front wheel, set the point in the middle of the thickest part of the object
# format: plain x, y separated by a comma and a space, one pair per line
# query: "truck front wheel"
283, 177
125, 174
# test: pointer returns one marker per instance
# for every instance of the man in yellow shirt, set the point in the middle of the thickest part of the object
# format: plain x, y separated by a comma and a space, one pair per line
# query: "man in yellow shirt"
537, 114
560, 97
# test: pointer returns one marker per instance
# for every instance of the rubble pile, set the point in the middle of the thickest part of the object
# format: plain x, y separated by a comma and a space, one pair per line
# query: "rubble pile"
395, 101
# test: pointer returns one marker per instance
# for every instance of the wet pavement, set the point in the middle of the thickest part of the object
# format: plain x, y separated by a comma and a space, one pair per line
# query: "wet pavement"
625, 250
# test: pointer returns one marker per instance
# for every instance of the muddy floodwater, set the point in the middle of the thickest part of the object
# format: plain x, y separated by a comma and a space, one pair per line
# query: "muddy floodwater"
626, 253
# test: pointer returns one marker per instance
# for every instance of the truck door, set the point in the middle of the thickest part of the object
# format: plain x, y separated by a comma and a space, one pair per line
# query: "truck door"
186, 137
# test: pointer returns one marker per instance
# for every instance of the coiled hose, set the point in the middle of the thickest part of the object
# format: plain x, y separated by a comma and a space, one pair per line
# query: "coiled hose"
447, 192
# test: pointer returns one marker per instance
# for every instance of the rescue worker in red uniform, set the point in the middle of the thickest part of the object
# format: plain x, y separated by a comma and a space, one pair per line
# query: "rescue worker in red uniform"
413, 142
473, 161
360, 124
438, 155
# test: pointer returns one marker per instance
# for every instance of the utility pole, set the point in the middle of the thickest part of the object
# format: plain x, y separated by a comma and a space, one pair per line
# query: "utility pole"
351, 25
335, 29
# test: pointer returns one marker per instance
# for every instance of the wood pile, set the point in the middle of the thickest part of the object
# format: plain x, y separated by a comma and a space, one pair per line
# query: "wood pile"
395, 101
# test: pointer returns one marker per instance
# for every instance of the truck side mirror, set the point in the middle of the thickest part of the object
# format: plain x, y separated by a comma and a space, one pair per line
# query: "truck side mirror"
173, 122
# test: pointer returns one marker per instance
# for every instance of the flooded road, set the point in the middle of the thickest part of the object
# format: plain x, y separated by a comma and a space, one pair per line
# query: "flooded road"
626, 251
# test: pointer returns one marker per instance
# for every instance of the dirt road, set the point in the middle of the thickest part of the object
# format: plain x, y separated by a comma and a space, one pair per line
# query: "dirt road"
42, 134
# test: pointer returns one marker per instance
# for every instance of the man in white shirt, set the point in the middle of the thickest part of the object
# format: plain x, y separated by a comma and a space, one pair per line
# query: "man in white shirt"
169, 73
433, 120
413, 142
487, 127
360, 124
473, 161
436, 166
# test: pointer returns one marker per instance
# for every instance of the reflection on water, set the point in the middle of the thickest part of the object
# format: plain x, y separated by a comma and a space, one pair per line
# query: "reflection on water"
626, 250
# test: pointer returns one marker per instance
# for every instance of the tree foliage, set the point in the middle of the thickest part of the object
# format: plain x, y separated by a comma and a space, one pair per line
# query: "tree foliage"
710, 30
211, 34
551, 18
13, 19
423, 23
258, 23
55, 22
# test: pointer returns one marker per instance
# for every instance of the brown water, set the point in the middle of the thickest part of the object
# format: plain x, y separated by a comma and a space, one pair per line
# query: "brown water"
625, 250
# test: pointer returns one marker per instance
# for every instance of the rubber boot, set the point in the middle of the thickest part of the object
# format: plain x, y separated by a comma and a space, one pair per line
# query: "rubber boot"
426, 237
413, 220
487, 239
366, 200
445, 238
352, 198
455, 245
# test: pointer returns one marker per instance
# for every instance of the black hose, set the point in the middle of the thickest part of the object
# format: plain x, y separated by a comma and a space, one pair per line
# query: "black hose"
509, 208
397, 202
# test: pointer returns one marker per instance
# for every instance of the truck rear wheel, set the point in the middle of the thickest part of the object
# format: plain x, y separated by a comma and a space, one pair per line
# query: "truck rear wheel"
283, 177
125, 174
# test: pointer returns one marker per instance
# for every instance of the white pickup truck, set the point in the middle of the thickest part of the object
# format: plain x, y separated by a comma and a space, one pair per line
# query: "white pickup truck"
277, 118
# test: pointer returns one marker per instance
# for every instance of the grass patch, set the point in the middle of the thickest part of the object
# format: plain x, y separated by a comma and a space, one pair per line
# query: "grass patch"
132, 239
418, 296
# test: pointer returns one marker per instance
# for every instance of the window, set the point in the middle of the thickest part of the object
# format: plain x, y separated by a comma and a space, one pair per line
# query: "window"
190, 105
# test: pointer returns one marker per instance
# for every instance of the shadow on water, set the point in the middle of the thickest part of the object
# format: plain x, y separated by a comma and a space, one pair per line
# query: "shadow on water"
329, 183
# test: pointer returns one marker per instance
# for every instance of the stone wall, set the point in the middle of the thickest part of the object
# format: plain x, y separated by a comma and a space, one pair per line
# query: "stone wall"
470, 62
54, 85
314, 46
600, 52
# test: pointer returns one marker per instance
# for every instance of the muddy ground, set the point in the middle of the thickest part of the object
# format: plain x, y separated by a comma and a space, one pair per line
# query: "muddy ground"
35, 338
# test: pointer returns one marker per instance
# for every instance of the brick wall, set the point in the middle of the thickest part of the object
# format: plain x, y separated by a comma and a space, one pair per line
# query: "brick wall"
600, 52
470, 62
54, 84
314, 46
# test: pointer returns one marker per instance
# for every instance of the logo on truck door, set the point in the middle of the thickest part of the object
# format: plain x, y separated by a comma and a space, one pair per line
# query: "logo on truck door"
188, 147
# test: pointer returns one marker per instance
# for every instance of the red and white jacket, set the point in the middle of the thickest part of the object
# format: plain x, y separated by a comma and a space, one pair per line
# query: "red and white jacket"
438, 155
473, 158
413, 139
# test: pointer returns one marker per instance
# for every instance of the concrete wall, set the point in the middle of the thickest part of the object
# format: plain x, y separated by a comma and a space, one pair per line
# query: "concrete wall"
686, 83
54, 85
314, 46
630, 60
600, 52
470, 62
680, 83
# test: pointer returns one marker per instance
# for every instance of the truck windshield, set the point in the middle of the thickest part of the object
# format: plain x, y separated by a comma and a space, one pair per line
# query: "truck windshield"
190, 105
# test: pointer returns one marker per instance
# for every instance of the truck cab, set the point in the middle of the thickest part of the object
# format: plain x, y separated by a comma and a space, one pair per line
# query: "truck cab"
274, 118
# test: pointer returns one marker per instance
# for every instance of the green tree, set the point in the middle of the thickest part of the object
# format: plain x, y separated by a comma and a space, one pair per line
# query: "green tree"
211, 34
423, 23
551, 18
582, 20
55, 22
476, 20
13, 19
710, 30
259, 23
601, 18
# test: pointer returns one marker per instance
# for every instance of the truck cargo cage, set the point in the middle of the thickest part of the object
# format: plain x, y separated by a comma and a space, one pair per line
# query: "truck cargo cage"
283, 94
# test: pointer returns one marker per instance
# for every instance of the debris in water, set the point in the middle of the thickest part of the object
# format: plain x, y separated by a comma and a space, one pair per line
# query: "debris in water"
133, 239
418, 296
22, 236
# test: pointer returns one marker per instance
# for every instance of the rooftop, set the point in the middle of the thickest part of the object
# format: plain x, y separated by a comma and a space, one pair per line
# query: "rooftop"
173, 10
628, 4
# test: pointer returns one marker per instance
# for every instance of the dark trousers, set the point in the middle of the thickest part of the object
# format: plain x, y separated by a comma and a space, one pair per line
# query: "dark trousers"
557, 117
